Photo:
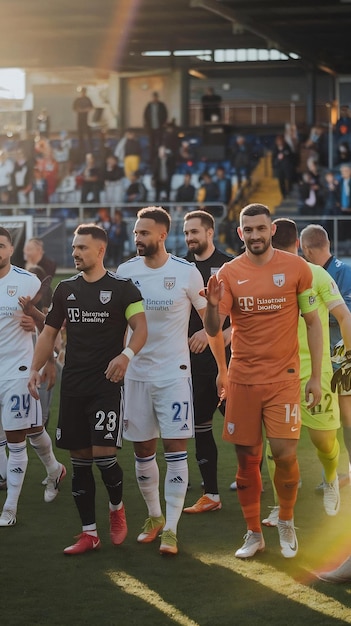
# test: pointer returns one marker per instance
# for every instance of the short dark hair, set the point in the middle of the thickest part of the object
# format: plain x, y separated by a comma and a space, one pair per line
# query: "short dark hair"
156, 213
97, 232
206, 218
286, 233
251, 210
5, 233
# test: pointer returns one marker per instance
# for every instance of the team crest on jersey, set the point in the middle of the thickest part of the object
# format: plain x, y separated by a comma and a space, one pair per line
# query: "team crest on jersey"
105, 296
11, 291
169, 282
230, 428
279, 280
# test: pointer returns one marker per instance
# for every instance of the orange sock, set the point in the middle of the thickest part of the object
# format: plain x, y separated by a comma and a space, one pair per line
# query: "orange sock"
286, 480
249, 485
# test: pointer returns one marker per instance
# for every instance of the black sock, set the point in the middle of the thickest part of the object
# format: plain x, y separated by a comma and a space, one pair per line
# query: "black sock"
206, 455
112, 476
83, 489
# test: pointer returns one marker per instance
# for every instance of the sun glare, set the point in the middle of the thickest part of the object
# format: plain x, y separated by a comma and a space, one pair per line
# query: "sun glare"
12, 83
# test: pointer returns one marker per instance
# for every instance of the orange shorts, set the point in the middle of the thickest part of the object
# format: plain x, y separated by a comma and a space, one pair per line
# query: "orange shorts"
277, 405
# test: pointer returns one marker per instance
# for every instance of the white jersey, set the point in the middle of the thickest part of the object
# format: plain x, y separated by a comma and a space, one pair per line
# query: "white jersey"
16, 350
168, 293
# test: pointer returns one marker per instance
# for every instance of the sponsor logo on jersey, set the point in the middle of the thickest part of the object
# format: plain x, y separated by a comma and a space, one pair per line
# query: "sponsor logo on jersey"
71, 297
169, 282
230, 428
136, 283
311, 299
105, 296
11, 290
58, 434
214, 270
279, 280
125, 424
241, 282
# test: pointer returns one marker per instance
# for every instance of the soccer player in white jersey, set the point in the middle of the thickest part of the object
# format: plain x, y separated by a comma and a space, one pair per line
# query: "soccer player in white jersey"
158, 389
20, 413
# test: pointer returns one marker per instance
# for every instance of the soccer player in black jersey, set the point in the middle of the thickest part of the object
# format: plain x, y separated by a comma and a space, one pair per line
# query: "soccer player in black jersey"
96, 306
199, 228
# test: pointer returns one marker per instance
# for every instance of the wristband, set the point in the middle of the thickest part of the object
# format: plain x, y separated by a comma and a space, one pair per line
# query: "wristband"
128, 352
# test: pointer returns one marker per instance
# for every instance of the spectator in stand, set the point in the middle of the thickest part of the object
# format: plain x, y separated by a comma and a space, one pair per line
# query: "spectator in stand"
43, 123
155, 117
291, 137
39, 187
91, 182
211, 106
208, 191
331, 200
343, 153
170, 139
61, 153
82, 106
21, 179
283, 165
307, 195
117, 236
163, 168
317, 145
186, 192
132, 153
6, 170
186, 154
113, 179
49, 169
345, 189
224, 185
240, 159
343, 124
103, 218
136, 191
34, 254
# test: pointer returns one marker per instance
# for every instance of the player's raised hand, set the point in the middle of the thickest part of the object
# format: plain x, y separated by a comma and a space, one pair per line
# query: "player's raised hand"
214, 291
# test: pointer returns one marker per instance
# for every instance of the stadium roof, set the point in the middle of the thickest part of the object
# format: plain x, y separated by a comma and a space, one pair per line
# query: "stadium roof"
116, 34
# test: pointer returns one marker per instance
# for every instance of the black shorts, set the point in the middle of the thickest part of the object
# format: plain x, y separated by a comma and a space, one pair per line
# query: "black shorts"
86, 421
205, 397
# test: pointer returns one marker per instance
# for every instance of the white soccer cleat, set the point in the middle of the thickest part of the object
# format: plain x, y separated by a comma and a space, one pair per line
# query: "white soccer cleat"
52, 487
331, 497
7, 518
287, 538
253, 543
341, 574
272, 519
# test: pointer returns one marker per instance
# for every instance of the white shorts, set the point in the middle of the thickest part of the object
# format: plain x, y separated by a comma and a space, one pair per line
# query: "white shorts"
152, 409
18, 409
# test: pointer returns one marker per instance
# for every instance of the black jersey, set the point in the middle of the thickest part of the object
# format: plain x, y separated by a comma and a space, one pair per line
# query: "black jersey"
95, 326
204, 363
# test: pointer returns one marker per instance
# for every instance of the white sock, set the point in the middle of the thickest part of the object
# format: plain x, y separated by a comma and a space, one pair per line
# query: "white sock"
90, 529
16, 470
148, 478
42, 445
3, 458
213, 496
176, 484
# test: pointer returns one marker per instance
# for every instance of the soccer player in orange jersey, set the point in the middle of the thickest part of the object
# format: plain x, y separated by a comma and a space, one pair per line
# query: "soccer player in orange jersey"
263, 291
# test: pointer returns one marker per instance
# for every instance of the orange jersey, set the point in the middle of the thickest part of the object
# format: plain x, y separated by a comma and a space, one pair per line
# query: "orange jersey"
263, 303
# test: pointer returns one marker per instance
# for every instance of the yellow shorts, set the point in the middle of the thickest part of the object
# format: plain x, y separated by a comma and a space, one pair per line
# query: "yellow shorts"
276, 405
326, 415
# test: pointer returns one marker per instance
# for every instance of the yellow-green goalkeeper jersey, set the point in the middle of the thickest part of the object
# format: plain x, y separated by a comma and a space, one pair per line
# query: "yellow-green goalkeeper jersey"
327, 297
